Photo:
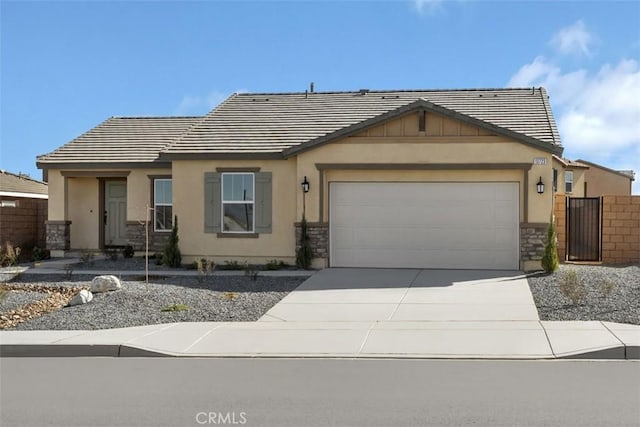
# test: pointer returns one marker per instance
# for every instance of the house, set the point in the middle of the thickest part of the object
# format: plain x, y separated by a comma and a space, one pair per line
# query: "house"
601, 181
23, 211
411, 178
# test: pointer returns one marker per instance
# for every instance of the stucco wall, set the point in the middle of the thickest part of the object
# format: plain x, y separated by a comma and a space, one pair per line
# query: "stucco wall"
453, 150
188, 200
601, 182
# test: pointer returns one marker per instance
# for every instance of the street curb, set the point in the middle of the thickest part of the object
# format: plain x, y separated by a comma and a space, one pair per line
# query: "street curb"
122, 350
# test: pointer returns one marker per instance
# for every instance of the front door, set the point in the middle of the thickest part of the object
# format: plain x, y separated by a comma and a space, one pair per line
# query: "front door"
115, 213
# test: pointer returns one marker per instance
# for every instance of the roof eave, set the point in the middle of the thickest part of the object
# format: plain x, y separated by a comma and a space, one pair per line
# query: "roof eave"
418, 105
45, 165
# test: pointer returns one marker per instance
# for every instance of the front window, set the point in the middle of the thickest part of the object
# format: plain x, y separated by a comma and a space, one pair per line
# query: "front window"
162, 205
238, 202
568, 181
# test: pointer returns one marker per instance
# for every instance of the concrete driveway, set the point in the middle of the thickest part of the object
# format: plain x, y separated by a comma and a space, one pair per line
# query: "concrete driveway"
407, 295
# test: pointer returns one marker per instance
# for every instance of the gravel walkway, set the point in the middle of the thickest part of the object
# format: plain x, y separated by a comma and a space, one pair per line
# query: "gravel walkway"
229, 298
612, 294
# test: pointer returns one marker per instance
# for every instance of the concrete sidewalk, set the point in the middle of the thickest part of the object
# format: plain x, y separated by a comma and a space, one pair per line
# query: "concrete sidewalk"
474, 340
360, 314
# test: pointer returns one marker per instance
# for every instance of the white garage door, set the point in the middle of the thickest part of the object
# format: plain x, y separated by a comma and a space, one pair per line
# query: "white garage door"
424, 225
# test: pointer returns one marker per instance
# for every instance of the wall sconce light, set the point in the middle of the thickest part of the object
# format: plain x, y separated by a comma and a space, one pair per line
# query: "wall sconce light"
305, 185
540, 186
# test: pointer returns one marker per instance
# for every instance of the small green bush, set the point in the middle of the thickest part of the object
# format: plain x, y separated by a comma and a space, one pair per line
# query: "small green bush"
172, 256
204, 268
572, 288
233, 265
128, 251
176, 307
38, 254
550, 262
275, 265
157, 257
111, 253
303, 254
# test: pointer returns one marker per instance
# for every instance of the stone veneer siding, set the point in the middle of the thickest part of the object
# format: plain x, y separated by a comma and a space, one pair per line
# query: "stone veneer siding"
319, 237
58, 235
532, 241
135, 237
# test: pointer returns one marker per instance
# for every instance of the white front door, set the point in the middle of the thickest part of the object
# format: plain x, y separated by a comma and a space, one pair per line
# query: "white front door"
115, 213
424, 225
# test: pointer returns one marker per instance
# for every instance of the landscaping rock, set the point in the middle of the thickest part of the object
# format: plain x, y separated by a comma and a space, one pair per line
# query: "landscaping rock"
105, 284
83, 297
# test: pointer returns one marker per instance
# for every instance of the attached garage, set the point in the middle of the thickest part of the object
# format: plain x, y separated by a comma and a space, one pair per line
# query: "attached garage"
471, 225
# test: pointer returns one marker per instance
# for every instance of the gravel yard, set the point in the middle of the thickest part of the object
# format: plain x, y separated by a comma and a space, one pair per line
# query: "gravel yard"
219, 298
612, 294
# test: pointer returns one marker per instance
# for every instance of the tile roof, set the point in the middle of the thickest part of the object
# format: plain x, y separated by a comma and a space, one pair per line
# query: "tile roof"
18, 183
274, 122
270, 124
121, 140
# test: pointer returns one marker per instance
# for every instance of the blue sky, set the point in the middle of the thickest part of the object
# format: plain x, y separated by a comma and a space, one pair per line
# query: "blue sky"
67, 66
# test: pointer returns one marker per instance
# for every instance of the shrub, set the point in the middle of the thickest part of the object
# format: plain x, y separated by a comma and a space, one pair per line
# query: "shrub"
204, 268
128, 251
9, 255
230, 296
303, 254
172, 256
68, 270
275, 265
233, 265
607, 287
3, 294
250, 271
176, 307
572, 288
158, 258
38, 254
86, 257
111, 253
550, 260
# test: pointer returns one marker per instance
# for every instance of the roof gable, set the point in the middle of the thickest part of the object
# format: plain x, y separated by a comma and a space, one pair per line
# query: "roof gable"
427, 106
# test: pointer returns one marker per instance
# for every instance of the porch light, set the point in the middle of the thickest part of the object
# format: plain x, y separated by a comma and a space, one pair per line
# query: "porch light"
305, 185
540, 186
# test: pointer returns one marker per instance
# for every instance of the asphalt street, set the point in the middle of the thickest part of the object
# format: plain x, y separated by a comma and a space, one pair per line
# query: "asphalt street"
316, 392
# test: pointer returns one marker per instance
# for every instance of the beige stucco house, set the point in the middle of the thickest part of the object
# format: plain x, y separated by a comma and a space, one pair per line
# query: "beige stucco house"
430, 179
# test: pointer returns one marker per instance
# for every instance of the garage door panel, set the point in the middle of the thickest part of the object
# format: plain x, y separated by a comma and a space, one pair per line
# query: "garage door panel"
424, 225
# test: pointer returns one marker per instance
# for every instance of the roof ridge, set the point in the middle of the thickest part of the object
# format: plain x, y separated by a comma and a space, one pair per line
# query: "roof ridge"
387, 91
193, 126
156, 117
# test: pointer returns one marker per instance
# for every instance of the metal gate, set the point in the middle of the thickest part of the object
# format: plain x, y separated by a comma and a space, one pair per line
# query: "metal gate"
584, 229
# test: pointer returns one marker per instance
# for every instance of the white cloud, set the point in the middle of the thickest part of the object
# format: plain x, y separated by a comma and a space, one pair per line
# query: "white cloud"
427, 7
598, 115
202, 104
573, 40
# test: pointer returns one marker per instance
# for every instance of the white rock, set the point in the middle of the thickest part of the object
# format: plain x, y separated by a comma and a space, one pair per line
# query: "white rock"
83, 297
105, 284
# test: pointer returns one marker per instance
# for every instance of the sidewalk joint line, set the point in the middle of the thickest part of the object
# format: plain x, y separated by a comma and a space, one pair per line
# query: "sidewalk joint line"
548, 340
612, 333
200, 339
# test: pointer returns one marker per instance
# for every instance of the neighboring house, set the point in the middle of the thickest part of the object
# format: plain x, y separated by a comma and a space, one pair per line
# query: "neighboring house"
602, 181
23, 211
569, 177
428, 179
